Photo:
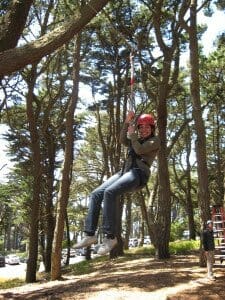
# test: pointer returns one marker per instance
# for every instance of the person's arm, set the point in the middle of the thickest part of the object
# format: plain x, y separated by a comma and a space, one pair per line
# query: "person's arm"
123, 134
141, 149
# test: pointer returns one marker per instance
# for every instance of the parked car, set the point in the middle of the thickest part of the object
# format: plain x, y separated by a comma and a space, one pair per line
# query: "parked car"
73, 252
12, 259
133, 242
95, 248
147, 240
2, 261
23, 259
83, 251
186, 234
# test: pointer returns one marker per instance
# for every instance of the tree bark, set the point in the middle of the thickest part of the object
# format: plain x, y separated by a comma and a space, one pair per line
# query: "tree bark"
12, 23
128, 221
165, 82
66, 170
15, 59
163, 220
164, 201
37, 171
189, 203
200, 143
50, 220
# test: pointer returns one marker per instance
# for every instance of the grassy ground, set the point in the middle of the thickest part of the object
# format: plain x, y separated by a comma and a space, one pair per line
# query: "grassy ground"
86, 267
135, 276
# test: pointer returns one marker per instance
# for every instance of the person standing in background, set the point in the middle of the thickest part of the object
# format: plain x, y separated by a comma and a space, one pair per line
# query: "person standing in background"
209, 248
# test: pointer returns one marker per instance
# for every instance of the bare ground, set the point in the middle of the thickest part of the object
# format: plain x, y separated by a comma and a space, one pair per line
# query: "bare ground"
178, 278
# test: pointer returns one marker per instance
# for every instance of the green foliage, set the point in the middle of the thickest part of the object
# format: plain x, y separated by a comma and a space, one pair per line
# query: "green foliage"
146, 250
176, 230
178, 247
1, 245
213, 90
183, 247
8, 284
84, 267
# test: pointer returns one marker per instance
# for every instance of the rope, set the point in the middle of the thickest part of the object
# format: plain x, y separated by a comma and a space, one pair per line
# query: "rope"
123, 36
132, 99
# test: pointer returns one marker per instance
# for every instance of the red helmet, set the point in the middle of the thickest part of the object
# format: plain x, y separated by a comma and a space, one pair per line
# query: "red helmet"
146, 119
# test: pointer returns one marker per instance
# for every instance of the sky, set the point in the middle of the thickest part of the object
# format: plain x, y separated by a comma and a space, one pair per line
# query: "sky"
216, 26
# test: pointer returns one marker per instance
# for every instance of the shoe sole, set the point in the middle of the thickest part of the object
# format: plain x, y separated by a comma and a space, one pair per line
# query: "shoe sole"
85, 245
108, 251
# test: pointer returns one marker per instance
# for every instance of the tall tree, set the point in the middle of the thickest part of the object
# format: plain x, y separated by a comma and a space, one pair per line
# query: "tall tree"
32, 117
200, 143
63, 195
168, 36
212, 83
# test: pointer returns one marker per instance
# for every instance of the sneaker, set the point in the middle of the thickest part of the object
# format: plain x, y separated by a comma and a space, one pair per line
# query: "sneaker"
86, 241
107, 246
211, 277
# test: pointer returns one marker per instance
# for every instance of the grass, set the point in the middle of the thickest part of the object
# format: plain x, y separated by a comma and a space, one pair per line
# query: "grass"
85, 266
89, 266
175, 248
184, 247
8, 284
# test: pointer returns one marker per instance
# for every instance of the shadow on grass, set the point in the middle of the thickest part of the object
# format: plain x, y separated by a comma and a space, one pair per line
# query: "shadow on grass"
128, 273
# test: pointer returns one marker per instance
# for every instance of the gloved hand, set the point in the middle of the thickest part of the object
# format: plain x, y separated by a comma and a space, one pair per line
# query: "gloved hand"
130, 130
130, 117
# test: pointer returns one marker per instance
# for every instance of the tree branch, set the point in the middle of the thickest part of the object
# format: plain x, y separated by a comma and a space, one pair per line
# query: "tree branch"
12, 23
15, 59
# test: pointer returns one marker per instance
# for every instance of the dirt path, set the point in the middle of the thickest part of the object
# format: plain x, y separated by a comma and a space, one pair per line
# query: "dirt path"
178, 278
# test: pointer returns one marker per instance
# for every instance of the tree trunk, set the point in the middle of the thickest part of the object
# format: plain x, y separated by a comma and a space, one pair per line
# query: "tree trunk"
37, 172
13, 23
66, 170
164, 199
68, 240
49, 207
128, 221
118, 250
144, 212
189, 203
165, 83
200, 144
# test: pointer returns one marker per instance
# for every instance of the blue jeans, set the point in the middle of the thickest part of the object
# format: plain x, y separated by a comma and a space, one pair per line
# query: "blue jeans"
108, 193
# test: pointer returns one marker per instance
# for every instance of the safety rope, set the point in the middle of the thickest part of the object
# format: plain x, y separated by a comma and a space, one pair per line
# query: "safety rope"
132, 98
119, 33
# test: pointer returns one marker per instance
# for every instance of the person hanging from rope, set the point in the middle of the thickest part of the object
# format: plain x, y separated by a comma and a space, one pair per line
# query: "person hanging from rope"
143, 146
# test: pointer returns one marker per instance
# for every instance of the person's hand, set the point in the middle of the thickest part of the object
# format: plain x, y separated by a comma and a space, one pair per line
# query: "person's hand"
130, 130
129, 117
